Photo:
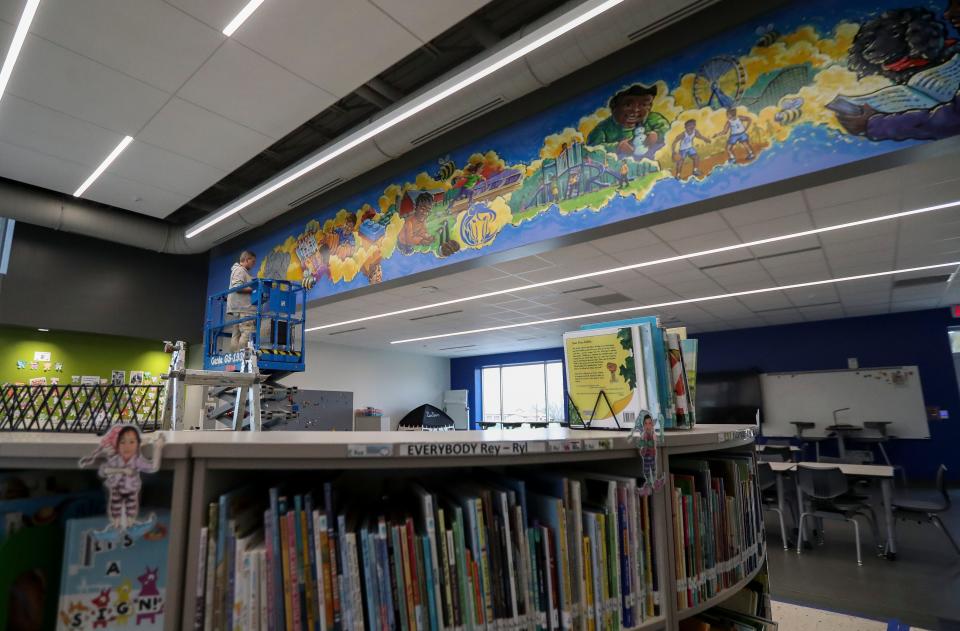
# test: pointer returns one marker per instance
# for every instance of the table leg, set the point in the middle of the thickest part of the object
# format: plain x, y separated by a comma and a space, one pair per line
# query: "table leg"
841, 447
885, 485
803, 522
782, 506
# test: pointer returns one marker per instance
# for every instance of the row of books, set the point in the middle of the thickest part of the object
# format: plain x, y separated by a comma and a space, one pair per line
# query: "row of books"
717, 524
541, 551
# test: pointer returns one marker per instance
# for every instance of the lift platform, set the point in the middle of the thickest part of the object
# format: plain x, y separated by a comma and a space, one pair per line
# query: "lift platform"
241, 388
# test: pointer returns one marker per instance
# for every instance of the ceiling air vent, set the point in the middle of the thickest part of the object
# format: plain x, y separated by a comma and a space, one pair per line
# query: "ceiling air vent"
922, 280
317, 191
442, 129
667, 20
607, 299
457, 348
436, 315
359, 328
230, 236
579, 289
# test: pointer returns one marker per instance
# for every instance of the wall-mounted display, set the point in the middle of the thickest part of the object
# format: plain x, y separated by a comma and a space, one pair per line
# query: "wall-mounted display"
810, 87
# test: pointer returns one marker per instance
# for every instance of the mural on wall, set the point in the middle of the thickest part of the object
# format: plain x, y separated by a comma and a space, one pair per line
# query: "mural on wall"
811, 87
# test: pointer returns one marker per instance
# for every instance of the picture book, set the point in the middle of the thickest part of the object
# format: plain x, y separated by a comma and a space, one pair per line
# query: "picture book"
113, 584
925, 90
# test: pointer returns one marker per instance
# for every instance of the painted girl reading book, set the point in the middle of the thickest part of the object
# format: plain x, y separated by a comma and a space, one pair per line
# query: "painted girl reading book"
120, 471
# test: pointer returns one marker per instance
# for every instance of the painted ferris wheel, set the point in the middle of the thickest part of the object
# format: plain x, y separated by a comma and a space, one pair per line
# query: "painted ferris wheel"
719, 83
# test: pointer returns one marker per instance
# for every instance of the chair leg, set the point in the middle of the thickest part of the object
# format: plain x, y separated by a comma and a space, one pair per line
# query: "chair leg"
800, 534
783, 528
856, 537
939, 524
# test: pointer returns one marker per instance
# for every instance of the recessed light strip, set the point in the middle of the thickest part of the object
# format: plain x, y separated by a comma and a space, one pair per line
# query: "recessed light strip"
524, 46
103, 165
19, 36
624, 268
673, 303
241, 17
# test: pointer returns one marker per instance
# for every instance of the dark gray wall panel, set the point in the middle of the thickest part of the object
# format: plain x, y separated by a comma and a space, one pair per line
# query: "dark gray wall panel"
70, 282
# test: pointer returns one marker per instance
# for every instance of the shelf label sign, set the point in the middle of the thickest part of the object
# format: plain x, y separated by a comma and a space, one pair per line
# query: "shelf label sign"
369, 451
430, 450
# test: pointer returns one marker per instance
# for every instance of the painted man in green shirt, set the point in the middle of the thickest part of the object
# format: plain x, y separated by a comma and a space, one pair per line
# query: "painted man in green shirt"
632, 129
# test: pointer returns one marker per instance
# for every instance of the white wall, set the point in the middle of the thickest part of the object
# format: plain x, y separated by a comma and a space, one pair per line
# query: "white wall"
392, 381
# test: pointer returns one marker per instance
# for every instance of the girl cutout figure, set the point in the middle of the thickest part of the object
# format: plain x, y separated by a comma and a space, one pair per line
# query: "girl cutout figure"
646, 438
120, 471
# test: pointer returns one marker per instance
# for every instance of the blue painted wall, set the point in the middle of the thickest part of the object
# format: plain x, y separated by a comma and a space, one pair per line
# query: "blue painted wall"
913, 338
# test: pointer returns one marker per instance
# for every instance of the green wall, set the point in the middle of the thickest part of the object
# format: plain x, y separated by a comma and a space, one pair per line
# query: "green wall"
81, 354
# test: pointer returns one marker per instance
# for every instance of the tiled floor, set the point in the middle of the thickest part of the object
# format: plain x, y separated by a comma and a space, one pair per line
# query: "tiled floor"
790, 617
921, 588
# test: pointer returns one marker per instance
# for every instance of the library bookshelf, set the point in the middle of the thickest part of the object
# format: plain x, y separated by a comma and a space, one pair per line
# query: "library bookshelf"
200, 466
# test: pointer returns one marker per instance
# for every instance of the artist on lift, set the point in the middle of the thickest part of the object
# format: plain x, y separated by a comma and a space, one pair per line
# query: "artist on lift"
238, 302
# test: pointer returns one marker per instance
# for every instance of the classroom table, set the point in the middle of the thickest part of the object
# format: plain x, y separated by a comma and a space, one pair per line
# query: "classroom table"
883, 473
794, 450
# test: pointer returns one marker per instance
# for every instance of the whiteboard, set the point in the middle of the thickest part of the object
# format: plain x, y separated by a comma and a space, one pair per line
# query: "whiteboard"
872, 394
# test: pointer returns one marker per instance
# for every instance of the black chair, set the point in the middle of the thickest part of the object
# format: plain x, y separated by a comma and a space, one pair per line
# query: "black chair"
921, 512
829, 493
767, 481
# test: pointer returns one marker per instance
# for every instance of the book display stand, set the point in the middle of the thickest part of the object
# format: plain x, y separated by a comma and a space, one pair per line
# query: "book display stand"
200, 467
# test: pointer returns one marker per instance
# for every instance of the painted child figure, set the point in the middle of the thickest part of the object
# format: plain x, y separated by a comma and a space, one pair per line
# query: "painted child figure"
120, 471
687, 148
737, 127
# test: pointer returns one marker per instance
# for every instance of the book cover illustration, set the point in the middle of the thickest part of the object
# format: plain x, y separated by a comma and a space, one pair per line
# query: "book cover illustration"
113, 584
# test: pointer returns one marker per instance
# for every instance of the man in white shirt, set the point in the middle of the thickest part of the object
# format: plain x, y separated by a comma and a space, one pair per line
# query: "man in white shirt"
238, 302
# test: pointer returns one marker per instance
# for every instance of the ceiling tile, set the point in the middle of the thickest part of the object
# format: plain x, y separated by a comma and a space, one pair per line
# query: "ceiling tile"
867, 310
765, 210
890, 181
64, 81
428, 18
32, 167
189, 130
49, 132
136, 196
789, 245
253, 91
146, 39
335, 45
766, 302
915, 197
817, 295
214, 13
142, 162
524, 265
868, 206
690, 227
775, 227
627, 241
708, 241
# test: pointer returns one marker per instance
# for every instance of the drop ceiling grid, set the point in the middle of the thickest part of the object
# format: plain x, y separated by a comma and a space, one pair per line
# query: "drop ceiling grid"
111, 67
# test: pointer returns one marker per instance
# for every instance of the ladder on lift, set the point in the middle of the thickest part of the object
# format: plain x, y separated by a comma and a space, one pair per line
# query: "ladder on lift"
246, 381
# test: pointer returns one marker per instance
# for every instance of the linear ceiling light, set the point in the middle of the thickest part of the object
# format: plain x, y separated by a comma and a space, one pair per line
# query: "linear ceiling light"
484, 68
103, 165
623, 268
241, 17
672, 303
19, 36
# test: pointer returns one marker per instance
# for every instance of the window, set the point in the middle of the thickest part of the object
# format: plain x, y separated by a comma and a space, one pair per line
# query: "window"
523, 393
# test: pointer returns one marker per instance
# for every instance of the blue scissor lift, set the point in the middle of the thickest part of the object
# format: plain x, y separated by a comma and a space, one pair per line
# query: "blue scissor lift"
242, 384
